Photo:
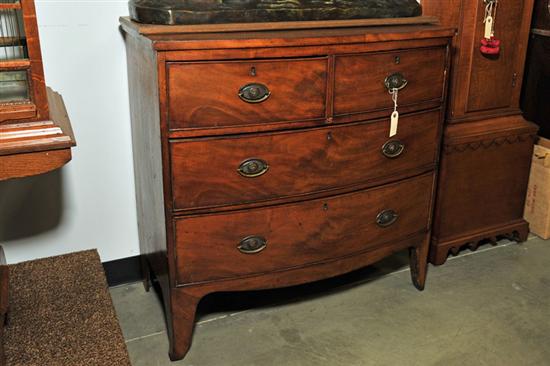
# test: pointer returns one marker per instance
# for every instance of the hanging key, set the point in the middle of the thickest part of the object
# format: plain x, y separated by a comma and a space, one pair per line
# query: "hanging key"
395, 115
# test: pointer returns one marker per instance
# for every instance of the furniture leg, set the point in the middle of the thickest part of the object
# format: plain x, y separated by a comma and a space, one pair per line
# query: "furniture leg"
237, 191
184, 306
418, 257
145, 273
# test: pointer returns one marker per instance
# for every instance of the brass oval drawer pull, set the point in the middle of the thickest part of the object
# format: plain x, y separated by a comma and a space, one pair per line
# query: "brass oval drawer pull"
252, 245
254, 93
395, 81
386, 218
252, 168
393, 148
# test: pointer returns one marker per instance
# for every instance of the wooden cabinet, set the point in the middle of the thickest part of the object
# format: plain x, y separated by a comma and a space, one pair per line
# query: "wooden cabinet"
485, 162
485, 86
264, 159
35, 132
23, 95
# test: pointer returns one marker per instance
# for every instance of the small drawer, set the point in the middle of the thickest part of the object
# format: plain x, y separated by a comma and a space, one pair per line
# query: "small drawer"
213, 172
360, 80
229, 245
240, 93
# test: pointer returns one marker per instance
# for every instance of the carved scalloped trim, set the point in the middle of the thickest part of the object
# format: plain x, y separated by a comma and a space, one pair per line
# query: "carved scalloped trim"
493, 240
486, 144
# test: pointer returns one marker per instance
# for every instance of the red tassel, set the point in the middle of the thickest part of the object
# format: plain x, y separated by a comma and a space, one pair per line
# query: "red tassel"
489, 50
490, 46
493, 42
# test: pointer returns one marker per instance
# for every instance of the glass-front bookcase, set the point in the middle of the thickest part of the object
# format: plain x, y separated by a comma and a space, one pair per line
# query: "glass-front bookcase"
22, 87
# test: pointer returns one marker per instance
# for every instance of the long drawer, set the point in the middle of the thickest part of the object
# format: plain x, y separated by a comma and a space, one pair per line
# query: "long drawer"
240, 93
244, 243
244, 169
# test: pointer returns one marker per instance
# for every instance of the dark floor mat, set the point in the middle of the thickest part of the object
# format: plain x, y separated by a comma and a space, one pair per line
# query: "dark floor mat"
61, 313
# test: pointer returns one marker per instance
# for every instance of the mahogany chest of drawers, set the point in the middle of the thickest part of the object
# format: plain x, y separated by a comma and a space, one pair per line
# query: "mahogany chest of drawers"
264, 159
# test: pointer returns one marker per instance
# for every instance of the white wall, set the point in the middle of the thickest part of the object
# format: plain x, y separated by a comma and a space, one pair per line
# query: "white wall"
90, 203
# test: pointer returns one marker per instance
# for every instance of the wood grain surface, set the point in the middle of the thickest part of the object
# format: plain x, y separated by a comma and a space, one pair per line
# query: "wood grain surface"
327, 181
265, 26
175, 38
485, 87
472, 203
485, 164
359, 79
207, 94
299, 234
36, 108
186, 299
31, 148
204, 171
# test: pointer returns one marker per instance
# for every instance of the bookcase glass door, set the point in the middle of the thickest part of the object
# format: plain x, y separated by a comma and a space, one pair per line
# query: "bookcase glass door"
14, 65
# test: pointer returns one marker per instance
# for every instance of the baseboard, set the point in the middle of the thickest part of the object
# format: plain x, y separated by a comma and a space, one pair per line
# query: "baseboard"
122, 271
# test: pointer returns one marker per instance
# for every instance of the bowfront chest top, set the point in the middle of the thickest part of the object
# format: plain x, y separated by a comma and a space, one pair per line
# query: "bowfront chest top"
264, 159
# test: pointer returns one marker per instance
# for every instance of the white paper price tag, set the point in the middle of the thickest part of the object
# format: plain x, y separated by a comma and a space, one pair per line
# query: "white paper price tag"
394, 123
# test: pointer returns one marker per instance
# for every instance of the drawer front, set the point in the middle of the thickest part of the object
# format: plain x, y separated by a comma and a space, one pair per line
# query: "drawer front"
360, 79
229, 245
246, 169
239, 93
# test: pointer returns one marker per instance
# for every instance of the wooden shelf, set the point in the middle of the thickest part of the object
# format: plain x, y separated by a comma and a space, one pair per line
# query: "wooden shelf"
31, 148
20, 64
8, 6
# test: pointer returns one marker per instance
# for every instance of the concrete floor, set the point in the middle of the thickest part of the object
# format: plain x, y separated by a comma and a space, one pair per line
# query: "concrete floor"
490, 307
